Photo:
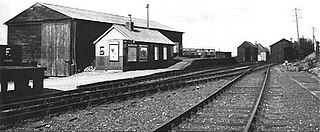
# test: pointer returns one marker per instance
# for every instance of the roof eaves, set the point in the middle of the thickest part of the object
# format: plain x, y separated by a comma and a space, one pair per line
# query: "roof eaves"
106, 32
122, 32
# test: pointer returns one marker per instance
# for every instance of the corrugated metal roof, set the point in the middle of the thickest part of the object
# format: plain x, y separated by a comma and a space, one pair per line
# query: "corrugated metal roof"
103, 17
139, 35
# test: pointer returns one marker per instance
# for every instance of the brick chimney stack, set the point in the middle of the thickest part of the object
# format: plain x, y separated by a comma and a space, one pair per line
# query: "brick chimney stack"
130, 24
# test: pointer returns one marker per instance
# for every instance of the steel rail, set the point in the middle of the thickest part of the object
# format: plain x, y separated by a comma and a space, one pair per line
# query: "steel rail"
250, 125
52, 99
187, 114
117, 83
46, 108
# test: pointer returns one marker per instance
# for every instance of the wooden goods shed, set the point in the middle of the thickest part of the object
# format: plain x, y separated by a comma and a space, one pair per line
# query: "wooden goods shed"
130, 48
60, 38
282, 50
247, 52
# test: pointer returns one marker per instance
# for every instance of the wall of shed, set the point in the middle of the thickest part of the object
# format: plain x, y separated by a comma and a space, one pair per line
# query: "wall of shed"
247, 54
151, 63
56, 48
102, 60
29, 37
278, 53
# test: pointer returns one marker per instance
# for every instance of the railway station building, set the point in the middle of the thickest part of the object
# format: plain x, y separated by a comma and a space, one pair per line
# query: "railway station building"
130, 48
61, 38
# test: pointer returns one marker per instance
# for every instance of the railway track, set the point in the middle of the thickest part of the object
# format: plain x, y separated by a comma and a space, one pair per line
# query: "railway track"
121, 82
234, 107
105, 92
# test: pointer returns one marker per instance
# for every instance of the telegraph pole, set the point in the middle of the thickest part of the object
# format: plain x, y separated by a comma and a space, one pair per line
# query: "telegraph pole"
317, 46
296, 15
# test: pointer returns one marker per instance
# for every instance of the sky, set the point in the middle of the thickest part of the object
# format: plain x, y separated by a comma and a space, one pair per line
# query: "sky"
216, 24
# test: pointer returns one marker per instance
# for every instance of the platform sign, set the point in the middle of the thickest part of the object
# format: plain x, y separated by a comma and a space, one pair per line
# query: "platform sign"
114, 52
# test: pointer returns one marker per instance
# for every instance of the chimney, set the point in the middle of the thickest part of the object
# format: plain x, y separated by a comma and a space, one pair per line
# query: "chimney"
147, 15
129, 25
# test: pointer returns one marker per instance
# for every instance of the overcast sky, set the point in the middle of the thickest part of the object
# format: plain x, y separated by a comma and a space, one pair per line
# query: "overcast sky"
222, 24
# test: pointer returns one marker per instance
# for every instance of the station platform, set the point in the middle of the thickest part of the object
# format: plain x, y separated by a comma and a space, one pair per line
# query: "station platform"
71, 82
53, 84
306, 80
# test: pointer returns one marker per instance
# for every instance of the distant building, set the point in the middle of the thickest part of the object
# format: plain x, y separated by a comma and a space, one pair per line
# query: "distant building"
221, 54
198, 52
263, 53
61, 38
247, 52
205, 53
282, 50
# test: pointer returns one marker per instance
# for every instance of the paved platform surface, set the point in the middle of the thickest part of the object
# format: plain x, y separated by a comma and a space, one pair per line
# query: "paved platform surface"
71, 82
305, 80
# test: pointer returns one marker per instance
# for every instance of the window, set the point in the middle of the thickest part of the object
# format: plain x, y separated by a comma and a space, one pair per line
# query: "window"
143, 52
132, 53
156, 53
165, 53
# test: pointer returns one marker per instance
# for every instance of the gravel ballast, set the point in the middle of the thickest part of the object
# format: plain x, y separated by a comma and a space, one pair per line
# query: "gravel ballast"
139, 114
301, 108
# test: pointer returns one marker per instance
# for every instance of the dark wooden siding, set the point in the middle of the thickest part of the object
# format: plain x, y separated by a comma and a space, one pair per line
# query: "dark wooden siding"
150, 63
247, 53
278, 54
29, 37
174, 37
55, 49
86, 33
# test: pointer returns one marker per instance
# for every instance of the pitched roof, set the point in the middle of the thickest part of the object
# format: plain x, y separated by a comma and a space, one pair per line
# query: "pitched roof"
261, 48
139, 35
285, 40
102, 17
247, 43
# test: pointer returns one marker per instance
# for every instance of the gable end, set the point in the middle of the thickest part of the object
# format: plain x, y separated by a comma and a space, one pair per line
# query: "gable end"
37, 13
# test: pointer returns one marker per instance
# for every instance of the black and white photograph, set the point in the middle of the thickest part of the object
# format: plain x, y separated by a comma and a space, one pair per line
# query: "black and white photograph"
159, 65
